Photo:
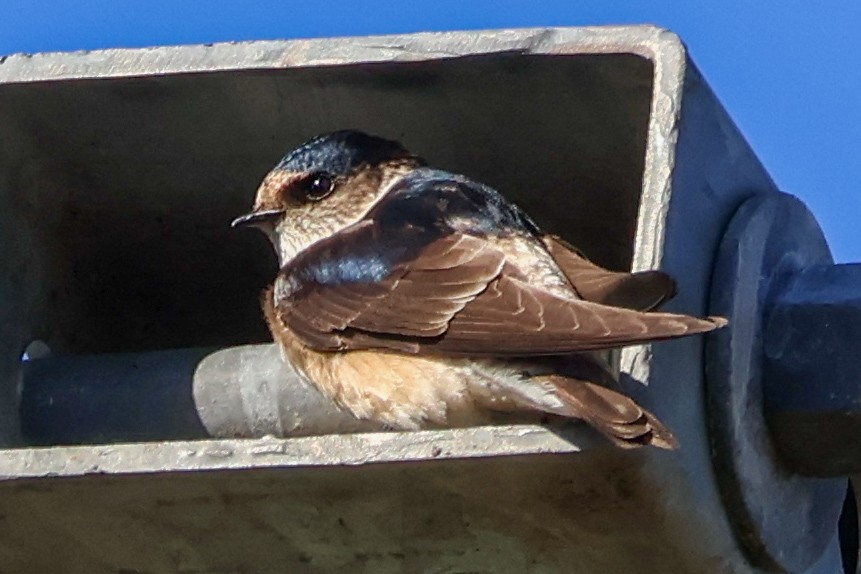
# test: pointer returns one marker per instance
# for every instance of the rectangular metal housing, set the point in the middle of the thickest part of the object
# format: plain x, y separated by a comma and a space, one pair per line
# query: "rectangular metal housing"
119, 173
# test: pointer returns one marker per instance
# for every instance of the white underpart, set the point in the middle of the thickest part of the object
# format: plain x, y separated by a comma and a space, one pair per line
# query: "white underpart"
493, 383
288, 246
296, 234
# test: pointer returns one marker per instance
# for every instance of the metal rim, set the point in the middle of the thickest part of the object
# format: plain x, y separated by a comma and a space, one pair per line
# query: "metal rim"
782, 521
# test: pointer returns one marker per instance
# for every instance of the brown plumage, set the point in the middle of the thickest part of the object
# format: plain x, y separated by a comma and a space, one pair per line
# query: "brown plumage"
418, 298
641, 291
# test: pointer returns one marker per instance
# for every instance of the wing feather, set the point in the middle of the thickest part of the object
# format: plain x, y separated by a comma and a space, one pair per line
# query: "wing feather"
642, 291
416, 276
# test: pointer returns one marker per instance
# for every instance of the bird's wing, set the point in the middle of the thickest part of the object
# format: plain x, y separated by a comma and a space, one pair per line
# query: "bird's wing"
422, 274
412, 300
619, 418
642, 291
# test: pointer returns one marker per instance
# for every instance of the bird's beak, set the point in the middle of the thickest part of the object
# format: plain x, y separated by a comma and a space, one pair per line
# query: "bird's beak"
257, 217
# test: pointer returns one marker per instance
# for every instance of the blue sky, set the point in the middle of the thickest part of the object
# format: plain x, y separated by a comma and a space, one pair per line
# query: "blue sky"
789, 72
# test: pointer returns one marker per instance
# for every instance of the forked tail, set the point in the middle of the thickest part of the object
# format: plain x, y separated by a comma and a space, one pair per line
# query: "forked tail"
625, 423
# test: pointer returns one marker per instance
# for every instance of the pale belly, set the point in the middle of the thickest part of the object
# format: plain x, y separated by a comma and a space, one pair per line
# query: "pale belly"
408, 392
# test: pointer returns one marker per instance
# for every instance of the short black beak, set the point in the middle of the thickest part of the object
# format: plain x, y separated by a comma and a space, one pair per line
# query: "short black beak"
256, 217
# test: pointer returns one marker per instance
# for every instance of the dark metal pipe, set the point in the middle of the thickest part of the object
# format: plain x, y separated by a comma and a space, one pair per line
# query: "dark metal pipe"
243, 391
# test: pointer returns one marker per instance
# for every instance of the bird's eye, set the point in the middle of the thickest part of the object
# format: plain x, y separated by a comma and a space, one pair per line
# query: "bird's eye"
319, 185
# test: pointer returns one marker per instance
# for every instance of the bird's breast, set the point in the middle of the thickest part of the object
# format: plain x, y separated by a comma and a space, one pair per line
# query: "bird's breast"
408, 392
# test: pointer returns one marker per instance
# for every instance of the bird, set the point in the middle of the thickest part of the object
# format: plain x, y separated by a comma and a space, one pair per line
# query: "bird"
420, 299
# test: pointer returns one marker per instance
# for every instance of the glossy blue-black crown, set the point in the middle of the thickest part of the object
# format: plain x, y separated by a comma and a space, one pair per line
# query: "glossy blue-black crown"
341, 152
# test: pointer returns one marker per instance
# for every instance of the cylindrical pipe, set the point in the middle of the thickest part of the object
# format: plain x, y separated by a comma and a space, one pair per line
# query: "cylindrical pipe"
250, 391
812, 370
243, 391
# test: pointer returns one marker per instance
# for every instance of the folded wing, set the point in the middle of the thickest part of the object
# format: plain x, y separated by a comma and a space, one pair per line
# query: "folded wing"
419, 276
642, 291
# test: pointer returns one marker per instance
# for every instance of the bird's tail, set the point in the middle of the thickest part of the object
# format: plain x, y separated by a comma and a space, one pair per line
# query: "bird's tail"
625, 423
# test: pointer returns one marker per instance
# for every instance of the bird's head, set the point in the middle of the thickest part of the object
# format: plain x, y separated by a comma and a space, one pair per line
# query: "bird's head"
325, 185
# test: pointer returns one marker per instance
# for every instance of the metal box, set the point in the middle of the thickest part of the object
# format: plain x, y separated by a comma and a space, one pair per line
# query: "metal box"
119, 173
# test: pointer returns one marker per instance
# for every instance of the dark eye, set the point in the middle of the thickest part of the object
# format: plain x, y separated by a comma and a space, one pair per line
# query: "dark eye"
319, 185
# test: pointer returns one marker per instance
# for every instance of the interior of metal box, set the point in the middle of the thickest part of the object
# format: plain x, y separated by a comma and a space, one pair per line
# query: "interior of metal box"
117, 193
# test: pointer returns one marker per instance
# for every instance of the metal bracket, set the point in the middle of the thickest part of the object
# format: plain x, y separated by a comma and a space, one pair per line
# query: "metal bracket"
783, 521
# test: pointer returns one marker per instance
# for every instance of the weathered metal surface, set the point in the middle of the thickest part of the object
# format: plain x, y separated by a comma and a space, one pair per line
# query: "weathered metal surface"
812, 372
785, 521
608, 136
270, 452
431, 516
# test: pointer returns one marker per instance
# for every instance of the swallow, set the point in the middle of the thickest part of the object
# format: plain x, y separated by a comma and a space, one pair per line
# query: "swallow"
419, 298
